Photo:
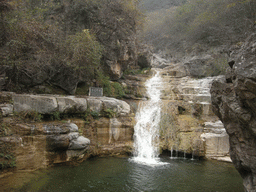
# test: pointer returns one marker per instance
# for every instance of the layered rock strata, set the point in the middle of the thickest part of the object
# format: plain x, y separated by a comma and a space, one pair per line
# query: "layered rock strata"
188, 124
43, 144
234, 102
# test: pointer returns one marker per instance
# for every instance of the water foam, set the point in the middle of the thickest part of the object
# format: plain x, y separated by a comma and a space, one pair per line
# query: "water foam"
146, 130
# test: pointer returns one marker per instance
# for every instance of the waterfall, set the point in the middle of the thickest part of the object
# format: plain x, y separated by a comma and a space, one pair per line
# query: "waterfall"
146, 130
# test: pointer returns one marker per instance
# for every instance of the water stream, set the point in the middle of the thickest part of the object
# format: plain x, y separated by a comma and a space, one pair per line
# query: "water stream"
146, 130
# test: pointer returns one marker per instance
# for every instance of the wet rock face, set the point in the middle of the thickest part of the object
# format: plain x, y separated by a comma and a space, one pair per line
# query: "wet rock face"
188, 124
41, 145
234, 102
112, 136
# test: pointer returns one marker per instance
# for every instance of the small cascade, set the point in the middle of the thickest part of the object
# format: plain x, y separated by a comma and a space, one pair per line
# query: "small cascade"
184, 157
193, 156
174, 154
146, 130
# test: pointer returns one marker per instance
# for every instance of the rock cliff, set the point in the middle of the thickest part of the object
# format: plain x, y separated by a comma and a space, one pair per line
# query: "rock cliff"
234, 102
37, 146
188, 124
91, 126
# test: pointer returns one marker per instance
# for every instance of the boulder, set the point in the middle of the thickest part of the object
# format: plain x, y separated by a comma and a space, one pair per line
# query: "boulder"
72, 127
79, 143
77, 154
95, 104
34, 103
234, 102
73, 135
201, 66
121, 108
57, 142
71, 104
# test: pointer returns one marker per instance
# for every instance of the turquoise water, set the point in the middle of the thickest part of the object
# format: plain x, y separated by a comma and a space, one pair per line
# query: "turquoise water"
121, 174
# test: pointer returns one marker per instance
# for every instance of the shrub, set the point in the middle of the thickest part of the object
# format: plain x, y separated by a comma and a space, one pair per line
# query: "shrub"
109, 113
119, 92
95, 114
83, 52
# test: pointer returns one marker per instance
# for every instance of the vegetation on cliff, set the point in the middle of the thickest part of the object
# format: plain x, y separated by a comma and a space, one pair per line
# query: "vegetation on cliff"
66, 43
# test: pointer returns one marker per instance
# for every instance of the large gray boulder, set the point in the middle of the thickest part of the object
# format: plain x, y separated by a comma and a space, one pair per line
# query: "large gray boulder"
35, 103
79, 143
234, 102
49, 104
95, 104
121, 108
71, 104
57, 142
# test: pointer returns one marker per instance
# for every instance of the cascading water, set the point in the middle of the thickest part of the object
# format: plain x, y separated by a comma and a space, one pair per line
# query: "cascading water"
146, 130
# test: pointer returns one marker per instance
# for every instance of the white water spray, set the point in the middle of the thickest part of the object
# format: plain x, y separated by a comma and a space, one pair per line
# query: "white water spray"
146, 130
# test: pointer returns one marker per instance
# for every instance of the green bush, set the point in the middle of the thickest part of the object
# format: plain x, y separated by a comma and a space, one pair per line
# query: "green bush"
56, 116
119, 92
83, 52
109, 113
110, 89
95, 114
104, 82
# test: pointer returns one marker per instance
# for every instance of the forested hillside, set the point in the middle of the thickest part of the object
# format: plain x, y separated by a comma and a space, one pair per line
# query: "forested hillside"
65, 44
198, 25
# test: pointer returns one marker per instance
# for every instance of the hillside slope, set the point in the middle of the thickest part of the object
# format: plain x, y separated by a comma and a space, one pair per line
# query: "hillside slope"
197, 26
66, 43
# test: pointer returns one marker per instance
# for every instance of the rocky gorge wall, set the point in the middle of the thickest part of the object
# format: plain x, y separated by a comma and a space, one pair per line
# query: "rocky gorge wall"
105, 127
234, 102
188, 125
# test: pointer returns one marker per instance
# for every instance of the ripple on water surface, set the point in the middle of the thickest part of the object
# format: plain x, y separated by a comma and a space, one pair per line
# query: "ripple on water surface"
149, 162
124, 174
